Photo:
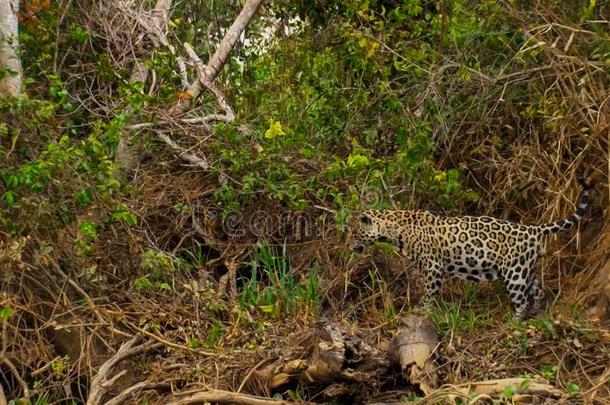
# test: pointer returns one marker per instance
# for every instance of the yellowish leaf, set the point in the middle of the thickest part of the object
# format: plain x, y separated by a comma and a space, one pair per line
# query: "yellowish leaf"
275, 130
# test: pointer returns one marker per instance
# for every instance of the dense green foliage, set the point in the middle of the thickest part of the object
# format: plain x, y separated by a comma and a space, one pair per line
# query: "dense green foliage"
356, 102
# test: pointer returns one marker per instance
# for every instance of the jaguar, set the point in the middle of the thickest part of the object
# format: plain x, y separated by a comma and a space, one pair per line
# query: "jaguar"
478, 248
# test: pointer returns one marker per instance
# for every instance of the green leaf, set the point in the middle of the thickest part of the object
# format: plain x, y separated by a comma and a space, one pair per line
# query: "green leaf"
573, 388
9, 197
509, 392
357, 160
5, 313
164, 286
195, 343
83, 197
142, 283
88, 229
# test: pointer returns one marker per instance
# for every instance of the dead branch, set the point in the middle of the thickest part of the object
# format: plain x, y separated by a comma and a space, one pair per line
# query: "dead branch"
203, 77
155, 26
102, 382
221, 55
195, 160
20, 380
526, 390
523, 385
226, 397
130, 391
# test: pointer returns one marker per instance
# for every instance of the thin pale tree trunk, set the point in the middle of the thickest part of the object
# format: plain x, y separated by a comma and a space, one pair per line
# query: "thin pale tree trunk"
10, 64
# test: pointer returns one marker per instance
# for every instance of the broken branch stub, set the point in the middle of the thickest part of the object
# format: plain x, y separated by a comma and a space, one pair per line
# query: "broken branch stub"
412, 348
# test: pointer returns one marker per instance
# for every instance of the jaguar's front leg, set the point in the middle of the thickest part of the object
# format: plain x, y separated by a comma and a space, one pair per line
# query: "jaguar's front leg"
433, 279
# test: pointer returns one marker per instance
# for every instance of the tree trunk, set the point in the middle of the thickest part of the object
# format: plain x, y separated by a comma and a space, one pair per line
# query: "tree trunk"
10, 65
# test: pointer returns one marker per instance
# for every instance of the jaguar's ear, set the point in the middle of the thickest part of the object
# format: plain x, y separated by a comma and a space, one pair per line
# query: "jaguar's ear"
365, 220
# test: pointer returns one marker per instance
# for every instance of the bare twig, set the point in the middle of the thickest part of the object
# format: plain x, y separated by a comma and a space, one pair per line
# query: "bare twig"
171, 344
87, 297
252, 370
20, 380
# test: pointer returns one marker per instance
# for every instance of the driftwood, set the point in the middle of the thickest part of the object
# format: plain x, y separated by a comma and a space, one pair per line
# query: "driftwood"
412, 349
338, 358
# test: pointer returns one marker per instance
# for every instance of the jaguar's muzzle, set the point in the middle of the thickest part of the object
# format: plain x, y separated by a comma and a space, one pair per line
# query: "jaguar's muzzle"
357, 247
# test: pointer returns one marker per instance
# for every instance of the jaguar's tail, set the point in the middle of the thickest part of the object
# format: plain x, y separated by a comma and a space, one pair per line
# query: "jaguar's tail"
565, 224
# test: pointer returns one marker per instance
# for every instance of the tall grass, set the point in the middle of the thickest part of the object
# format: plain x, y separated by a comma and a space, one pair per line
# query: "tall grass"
273, 287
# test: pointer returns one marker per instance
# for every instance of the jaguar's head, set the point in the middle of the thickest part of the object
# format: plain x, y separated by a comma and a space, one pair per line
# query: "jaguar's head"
365, 229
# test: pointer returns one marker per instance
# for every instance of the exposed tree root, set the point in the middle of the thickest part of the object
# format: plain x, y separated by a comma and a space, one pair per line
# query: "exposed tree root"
103, 382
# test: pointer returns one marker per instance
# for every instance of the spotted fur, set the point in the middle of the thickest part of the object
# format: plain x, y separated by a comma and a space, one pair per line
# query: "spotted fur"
472, 248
